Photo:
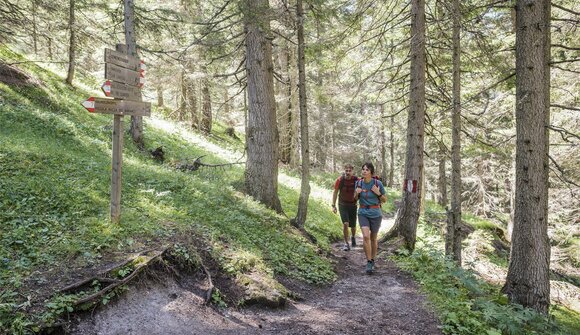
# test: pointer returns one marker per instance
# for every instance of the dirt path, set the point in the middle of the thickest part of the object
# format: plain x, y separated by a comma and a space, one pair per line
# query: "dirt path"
386, 302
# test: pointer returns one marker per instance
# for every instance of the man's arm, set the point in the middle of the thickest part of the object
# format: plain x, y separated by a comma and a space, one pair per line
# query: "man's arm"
334, 194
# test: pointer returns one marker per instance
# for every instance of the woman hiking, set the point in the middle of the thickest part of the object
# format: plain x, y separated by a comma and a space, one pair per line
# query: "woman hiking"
370, 193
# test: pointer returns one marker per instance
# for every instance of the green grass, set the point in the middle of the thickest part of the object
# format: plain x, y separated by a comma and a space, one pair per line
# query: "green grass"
54, 198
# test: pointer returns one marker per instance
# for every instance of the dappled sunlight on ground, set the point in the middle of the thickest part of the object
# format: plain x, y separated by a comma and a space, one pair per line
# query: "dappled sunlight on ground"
170, 127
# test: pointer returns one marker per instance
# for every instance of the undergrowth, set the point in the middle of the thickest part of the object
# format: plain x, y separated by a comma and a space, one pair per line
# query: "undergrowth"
467, 305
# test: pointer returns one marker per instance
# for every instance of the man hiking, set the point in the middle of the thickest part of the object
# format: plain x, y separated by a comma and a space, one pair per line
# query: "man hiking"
345, 188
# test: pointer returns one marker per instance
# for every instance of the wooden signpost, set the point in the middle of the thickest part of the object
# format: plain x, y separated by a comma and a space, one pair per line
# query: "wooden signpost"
121, 91
126, 76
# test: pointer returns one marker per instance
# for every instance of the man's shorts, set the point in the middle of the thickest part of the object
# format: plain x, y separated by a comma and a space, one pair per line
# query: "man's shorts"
348, 214
373, 223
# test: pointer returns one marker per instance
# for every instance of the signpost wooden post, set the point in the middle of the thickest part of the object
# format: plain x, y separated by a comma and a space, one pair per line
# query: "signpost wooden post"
126, 76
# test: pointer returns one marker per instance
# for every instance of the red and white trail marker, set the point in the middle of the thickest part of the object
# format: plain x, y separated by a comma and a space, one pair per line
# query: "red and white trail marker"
107, 88
410, 185
89, 104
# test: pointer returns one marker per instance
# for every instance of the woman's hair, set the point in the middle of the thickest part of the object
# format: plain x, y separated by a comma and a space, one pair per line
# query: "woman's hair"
369, 166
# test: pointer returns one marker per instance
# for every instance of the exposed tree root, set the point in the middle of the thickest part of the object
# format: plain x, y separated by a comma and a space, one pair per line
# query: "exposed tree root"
105, 280
209, 291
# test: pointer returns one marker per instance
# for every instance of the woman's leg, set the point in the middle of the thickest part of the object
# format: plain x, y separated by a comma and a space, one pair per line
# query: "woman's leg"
367, 242
374, 244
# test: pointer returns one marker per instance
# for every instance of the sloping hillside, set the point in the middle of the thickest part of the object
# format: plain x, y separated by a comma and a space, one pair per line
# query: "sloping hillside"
55, 163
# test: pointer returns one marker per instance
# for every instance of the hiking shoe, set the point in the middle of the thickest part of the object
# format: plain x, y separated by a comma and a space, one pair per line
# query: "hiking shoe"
353, 241
346, 247
369, 267
374, 265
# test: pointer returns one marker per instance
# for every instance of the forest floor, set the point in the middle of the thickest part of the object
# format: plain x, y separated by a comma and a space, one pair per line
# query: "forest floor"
386, 302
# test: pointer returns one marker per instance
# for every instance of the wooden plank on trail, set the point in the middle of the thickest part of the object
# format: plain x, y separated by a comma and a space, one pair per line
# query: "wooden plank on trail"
122, 60
119, 74
117, 107
117, 90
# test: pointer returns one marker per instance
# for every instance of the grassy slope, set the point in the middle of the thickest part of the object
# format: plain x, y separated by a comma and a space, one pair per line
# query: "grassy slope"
54, 199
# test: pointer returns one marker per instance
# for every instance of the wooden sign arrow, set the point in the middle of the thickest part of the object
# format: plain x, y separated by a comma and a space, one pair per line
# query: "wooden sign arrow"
117, 90
122, 60
117, 107
122, 75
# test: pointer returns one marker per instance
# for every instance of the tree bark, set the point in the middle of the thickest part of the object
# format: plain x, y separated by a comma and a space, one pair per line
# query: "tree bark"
34, 28
391, 151
206, 115
284, 112
454, 238
304, 145
136, 128
192, 103
160, 101
332, 137
383, 143
442, 180
226, 104
293, 108
408, 213
181, 110
72, 43
528, 278
261, 177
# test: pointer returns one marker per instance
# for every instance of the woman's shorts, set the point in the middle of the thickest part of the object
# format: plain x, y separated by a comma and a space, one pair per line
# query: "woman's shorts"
373, 223
348, 214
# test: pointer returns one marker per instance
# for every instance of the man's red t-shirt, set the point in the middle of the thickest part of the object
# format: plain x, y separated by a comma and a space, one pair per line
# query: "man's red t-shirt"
346, 194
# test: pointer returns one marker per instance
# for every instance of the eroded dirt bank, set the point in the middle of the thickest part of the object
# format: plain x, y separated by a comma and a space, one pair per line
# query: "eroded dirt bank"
386, 302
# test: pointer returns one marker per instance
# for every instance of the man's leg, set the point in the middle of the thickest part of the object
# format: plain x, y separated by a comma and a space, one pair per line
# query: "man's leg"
345, 231
352, 220
344, 217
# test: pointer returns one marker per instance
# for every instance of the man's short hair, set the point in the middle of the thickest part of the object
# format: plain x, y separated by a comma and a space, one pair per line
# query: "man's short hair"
348, 165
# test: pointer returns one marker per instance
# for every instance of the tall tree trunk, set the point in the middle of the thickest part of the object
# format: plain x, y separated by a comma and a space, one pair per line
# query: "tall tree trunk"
49, 44
261, 177
453, 241
512, 191
442, 180
34, 28
392, 151
206, 115
72, 43
383, 143
226, 104
160, 101
408, 213
136, 128
304, 145
528, 278
332, 137
293, 108
284, 112
181, 110
192, 103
